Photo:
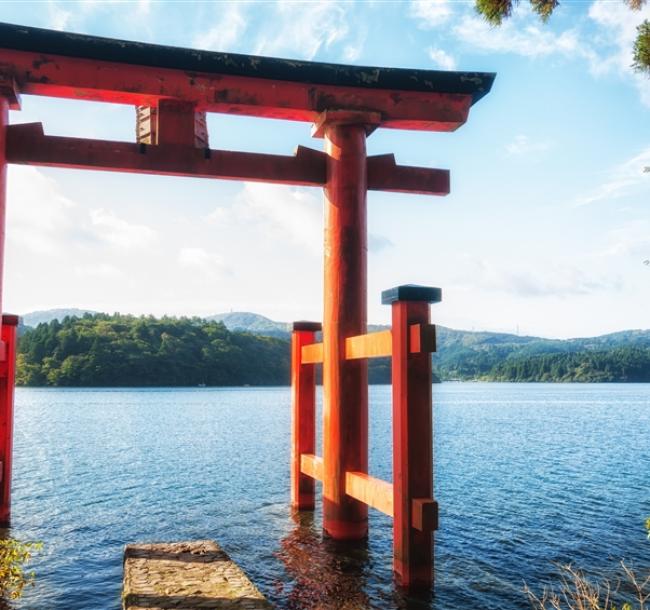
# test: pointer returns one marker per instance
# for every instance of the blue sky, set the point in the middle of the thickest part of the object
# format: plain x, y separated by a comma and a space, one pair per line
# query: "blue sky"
546, 230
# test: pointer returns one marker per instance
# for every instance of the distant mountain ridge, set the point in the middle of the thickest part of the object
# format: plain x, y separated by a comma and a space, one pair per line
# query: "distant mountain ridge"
465, 355
252, 323
34, 318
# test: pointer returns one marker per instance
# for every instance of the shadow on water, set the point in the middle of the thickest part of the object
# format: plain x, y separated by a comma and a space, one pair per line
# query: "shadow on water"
327, 574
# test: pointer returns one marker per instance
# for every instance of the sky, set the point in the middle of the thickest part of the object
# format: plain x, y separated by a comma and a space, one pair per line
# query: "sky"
545, 232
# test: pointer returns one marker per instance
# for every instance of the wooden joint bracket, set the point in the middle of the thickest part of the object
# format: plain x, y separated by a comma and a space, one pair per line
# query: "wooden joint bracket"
370, 120
424, 515
9, 90
422, 338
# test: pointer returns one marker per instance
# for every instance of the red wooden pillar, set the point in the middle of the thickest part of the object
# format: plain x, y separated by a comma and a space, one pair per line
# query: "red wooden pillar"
7, 381
303, 414
415, 512
345, 383
4, 122
8, 98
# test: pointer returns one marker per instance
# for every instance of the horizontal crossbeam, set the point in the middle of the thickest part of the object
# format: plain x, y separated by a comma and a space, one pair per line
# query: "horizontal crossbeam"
385, 175
312, 466
422, 339
312, 353
60, 64
374, 345
28, 145
375, 493
371, 491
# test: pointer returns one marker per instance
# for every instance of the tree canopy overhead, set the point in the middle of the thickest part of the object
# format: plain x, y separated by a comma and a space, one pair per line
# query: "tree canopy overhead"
495, 11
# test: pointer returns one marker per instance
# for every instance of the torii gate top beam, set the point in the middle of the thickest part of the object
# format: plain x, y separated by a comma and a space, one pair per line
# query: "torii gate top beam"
60, 64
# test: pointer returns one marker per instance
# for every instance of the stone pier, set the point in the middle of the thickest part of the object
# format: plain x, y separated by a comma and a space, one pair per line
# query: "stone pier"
184, 576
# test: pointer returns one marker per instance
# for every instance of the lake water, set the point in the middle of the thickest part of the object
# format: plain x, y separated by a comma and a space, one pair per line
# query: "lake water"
526, 475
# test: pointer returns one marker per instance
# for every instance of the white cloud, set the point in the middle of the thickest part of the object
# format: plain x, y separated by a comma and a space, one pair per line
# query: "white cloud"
38, 215
519, 36
292, 212
627, 179
59, 17
227, 33
303, 29
608, 50
118, 232
376, 242
44, 221
618, 30
144, 7
353, 50
105, 270
553, 280
430, 13
522, 144
442, 59
631, 239
209, 263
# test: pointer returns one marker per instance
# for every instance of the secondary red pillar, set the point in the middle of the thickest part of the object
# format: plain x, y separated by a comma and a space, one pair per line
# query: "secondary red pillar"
4, 122
303, 414
415, 511
8, 97
345, 383
7, 382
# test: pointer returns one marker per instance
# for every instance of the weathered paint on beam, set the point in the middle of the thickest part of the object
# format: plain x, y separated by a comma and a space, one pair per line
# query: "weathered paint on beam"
59, 64
83, 79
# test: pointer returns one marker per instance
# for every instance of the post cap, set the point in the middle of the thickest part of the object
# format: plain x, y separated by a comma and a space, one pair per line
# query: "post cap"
9, 319
304, 325
411, 292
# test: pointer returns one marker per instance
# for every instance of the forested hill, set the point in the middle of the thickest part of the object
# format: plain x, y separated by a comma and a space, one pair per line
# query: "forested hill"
468, 355
103, 350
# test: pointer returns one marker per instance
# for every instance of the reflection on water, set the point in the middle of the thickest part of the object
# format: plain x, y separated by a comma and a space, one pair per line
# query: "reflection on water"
325, 573
332, 575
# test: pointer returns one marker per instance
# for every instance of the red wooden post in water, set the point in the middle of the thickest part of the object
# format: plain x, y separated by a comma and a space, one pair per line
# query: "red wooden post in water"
7, 379
303, 414
415, 511
345, 382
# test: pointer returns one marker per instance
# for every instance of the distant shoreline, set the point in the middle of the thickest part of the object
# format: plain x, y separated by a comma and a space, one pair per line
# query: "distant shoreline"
268, 387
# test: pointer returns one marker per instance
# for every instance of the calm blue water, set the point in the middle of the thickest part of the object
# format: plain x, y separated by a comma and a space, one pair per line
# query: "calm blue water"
526, 475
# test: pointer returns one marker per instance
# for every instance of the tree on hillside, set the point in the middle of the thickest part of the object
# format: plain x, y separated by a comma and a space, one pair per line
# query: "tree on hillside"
495, 11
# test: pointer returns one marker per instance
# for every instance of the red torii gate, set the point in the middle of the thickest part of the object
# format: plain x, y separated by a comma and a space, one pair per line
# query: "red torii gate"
172, 89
